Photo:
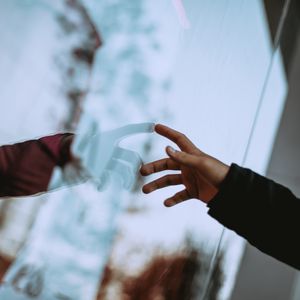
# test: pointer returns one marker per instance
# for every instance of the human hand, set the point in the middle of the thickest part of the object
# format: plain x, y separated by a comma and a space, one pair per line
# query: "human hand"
200, 173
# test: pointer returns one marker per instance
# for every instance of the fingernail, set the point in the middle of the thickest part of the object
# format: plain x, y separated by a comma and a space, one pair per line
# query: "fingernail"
171, 149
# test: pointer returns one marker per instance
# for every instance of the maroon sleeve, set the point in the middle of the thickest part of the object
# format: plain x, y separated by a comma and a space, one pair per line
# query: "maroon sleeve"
26, 168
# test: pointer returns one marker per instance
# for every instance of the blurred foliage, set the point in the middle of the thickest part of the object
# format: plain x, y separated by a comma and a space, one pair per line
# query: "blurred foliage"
130, 37
177, 276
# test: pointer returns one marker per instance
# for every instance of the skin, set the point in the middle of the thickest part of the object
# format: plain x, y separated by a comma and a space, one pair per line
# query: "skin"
200, 173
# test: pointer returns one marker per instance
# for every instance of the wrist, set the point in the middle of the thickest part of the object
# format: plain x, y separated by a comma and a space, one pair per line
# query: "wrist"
66, 155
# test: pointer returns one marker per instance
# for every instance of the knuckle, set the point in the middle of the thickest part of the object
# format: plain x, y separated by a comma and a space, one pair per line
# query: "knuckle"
178, 197
205, 162
181, 137
153, 168
156, 183
165, 164
183, 154
168, 164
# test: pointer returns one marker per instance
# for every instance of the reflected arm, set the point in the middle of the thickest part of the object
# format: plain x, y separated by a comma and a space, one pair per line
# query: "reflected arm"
262, 211
26, 168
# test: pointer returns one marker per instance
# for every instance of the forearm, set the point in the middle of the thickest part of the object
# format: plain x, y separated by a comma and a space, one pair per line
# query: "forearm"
26, 168
262, 211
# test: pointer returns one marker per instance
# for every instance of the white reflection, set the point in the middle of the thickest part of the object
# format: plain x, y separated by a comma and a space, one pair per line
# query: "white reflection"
80, 232
100, 156
181, 12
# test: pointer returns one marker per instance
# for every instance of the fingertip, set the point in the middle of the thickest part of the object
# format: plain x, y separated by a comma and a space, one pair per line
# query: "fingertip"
157, 127
169, 203
142, 171
144, 189
170, 151
161, 129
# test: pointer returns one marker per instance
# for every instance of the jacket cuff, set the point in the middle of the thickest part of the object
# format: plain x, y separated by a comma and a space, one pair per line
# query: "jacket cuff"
58, 147
229, 198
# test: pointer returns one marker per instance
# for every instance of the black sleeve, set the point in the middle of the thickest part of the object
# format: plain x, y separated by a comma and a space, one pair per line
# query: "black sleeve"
262, 211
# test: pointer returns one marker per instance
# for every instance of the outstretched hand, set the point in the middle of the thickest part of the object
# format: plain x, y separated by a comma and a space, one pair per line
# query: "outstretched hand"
200, 173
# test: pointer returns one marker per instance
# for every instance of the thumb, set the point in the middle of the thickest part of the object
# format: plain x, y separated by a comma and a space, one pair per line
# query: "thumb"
181, 157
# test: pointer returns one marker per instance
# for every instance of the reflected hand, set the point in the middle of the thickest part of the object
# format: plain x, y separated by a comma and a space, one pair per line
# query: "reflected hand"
100, 155
200, 173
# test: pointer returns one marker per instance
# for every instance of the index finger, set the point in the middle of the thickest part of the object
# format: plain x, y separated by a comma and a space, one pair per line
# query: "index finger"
158, 166
182, 141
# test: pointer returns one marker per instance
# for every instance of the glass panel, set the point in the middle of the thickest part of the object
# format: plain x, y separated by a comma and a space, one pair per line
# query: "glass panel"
289, 34
274, 10
198, 66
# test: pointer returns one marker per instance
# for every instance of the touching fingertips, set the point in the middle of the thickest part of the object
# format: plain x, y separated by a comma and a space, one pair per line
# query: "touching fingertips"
158, 127
144, 171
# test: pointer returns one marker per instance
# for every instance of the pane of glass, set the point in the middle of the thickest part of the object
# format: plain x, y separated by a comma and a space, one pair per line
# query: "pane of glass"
198, 66
274, 10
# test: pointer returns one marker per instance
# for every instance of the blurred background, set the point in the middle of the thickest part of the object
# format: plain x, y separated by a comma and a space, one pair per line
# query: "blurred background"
223, 72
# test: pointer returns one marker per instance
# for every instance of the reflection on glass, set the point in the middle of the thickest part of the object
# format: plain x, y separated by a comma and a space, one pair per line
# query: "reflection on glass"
99, 155
206, 81
28, 281
76, 229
